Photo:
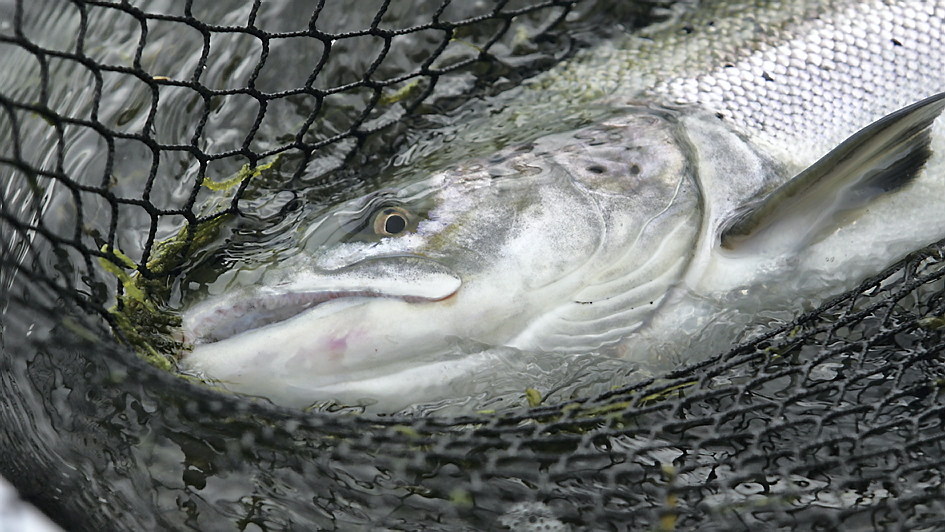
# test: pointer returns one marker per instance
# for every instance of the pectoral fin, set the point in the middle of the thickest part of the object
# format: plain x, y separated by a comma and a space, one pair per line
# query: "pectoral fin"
879, 158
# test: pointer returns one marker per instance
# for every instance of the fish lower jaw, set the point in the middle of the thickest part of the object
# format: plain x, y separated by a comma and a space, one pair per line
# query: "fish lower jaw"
300, 378
381, 389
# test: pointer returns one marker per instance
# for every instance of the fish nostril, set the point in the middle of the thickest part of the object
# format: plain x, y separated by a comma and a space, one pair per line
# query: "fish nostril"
596, 169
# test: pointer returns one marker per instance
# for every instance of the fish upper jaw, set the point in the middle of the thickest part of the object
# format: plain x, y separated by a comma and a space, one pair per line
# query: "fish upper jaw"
410, 278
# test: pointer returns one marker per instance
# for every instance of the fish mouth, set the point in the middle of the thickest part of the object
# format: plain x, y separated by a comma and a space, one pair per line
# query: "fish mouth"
409, 278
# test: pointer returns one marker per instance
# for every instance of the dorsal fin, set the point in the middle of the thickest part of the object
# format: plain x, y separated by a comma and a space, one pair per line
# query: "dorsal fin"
879, 158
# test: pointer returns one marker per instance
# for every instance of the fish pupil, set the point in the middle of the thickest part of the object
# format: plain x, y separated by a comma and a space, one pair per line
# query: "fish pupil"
394, 224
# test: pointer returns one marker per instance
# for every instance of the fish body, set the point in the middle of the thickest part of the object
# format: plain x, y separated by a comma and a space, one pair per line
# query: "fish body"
723, 185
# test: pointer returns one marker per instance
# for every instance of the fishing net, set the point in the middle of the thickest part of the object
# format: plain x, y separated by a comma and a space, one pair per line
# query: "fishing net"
139, 139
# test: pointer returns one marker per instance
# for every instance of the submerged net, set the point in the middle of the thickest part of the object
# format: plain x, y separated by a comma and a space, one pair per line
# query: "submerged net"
135, 133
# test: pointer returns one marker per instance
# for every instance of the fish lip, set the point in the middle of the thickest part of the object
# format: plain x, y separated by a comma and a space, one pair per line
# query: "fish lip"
227, 316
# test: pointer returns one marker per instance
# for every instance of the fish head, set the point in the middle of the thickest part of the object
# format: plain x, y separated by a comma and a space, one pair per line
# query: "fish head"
572, 235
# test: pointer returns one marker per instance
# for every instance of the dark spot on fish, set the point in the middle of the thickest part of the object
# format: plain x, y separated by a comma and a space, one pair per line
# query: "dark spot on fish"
525, 170
596, 169
635, 169
584, 302
688, 28
720, 116
766, 76
729, 65
594, 139
896, 42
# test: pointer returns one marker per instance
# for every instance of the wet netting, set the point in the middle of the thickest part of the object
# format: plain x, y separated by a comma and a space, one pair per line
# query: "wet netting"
139, 139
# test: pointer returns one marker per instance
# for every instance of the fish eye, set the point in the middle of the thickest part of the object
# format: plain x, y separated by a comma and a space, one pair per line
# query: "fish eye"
391, 221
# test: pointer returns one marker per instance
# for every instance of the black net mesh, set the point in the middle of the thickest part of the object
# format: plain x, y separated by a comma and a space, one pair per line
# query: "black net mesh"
132, 134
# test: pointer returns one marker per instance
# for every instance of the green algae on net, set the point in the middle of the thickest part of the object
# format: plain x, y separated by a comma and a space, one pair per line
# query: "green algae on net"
141, 316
